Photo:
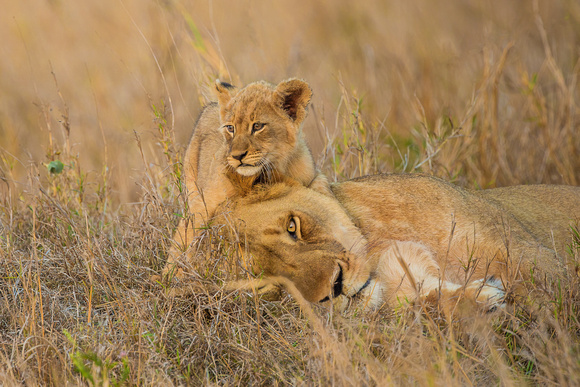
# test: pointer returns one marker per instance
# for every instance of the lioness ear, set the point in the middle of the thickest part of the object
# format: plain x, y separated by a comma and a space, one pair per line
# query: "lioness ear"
294, 96
224, 92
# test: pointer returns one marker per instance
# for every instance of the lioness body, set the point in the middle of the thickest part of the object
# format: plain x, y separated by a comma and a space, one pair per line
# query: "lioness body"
408, 235
250, 135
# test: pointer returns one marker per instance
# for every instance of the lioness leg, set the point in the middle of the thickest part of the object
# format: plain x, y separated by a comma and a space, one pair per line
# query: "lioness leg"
483, 294
409, 272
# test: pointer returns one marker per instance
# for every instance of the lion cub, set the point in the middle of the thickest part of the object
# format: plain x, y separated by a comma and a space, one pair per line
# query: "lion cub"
250, 135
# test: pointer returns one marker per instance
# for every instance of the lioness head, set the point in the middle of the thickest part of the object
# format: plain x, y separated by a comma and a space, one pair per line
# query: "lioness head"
261, 123
298, 233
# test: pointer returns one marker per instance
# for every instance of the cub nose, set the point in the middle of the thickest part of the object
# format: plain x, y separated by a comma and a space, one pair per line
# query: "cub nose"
239, 156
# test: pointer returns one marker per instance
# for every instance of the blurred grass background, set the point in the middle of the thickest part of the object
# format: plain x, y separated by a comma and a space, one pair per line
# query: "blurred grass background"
480, 93
411, 71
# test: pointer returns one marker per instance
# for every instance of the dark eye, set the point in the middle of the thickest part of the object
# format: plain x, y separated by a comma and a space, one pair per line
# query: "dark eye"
229, 128
257, 127
294, 227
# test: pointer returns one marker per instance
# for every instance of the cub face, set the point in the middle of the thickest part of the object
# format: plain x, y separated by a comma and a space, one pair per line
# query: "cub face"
261, 124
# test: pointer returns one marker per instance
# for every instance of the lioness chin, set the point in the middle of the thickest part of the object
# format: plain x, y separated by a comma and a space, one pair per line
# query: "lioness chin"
407, 236
250, 135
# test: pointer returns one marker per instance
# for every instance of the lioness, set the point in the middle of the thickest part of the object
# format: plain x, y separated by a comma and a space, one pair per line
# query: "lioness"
407, 236
250, 135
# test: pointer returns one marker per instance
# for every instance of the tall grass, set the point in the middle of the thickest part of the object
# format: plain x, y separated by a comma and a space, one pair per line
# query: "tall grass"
96, 105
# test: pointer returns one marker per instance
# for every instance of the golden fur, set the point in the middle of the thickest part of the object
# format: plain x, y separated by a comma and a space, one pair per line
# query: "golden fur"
251, 135
409, 235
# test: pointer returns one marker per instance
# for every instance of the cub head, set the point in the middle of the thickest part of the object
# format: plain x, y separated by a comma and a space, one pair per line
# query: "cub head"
302, 235
261, 123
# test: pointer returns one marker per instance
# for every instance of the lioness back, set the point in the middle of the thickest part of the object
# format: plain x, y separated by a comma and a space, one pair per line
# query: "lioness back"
546, 211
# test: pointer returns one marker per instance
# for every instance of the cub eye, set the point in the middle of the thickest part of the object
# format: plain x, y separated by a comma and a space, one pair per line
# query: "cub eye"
229, 128
257, 127
294, 227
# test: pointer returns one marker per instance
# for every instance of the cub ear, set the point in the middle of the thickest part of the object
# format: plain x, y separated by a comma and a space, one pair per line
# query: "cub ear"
293, 97
225, 91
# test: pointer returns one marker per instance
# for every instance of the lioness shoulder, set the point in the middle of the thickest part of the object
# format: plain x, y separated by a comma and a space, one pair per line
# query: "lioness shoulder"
249, 135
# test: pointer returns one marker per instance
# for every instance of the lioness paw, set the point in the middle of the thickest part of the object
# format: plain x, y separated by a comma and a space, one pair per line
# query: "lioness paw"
270, 292
490, 293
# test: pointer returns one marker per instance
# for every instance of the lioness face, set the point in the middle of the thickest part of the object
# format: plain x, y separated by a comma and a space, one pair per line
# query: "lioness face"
261, 124
306, 237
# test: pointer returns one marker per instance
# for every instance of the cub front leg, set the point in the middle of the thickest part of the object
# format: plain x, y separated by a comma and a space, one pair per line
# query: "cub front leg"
180, 253
202, 207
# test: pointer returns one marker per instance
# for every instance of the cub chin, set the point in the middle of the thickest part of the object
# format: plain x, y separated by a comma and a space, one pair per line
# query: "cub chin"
250, 135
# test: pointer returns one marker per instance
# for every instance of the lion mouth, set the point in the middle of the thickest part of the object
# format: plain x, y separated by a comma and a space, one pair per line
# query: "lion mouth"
248, 169
336, 285
366, 284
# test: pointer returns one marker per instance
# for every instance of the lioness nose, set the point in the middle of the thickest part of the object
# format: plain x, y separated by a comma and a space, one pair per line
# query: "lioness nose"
239, 156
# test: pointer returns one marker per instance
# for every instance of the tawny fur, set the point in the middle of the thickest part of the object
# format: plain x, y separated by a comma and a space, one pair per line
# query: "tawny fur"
407, 236
227, 151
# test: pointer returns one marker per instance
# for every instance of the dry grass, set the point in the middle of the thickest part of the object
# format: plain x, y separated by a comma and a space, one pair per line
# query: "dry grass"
482, 94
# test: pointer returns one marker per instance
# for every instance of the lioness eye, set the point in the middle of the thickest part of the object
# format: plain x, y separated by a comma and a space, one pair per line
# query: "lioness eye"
230, 128
294, 227
257, 127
